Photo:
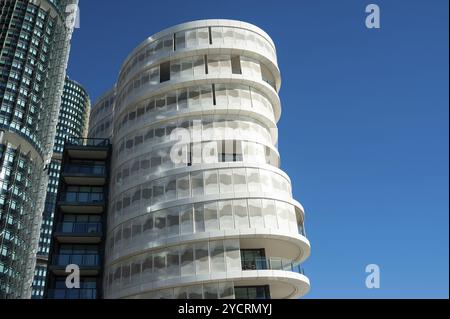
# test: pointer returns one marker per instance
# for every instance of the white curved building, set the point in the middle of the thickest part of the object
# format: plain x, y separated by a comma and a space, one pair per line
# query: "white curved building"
208, 214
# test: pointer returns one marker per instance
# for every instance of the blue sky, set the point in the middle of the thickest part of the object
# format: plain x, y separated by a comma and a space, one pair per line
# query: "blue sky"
363, 133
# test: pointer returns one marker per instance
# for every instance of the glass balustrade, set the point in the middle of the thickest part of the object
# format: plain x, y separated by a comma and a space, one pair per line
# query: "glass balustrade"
86, 169
83, 293
82, 197
272, 263
80, 228
87, 260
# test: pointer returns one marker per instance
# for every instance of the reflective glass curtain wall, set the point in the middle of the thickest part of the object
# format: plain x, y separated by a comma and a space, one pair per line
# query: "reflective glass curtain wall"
72, 122
34, 47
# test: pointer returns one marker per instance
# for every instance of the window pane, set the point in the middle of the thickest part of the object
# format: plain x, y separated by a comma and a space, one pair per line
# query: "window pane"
269, 213
225, 178
187, 223
173, 263
255, 213
183, 190
211, 186
197, 183
201, 258
187, 261
226, 215
283, 218
217, 256
254, 183
199, 218
233, 255
226, 290
173, 226
240, 184
240, 214
211, 221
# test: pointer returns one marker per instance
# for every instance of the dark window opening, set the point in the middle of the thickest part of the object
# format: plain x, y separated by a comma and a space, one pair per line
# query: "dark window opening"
214, 94
210, 35
236, 64
164, 74
253, 259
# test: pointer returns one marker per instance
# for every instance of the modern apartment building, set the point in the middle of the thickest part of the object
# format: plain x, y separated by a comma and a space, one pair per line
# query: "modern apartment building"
34, 46
199, 207
72, 122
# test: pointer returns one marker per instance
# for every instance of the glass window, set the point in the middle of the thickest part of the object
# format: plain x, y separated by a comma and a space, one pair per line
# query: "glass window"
194, 97
206, 98
187, 67
203, 36
217, 256
254, 183
173, 224
283, 216
187, 261
148, 224
211, 186
159, 265
201, 258
226, 290
187, 223
217, 35
233, 255
226, 215
240, 214
199, 218
269, 213
221, 95
160, 223
183, 190
255, 213
225, 181
211, 221
175, 69
191, 38
195, 292
182, 99
171, 102
180, 40
158, 191
240, 185
173, 263
210, 291
197, 183
266, 181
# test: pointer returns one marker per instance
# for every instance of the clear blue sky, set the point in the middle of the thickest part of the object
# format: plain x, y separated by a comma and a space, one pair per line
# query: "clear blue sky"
364, 129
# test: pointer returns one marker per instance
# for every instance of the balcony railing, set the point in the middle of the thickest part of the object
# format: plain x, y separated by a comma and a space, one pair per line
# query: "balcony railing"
85, 169
82, 197
82, 293
79, 228
87, 260
272, 263
96, 142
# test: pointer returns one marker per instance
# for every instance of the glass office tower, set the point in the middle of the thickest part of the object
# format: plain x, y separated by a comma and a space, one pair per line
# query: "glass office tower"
72, 123
199, 207
34, 46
